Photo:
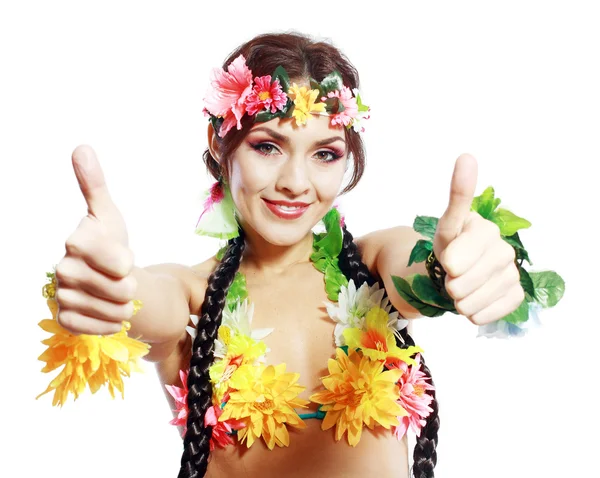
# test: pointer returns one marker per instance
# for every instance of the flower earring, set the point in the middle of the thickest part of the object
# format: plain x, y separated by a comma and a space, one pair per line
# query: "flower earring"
218, 219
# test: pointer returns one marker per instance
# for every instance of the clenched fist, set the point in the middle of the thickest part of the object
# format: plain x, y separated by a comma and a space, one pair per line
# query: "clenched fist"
482, 277
95, 282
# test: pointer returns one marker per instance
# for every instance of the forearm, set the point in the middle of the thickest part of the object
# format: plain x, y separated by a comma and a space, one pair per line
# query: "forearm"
164, 292
387, 252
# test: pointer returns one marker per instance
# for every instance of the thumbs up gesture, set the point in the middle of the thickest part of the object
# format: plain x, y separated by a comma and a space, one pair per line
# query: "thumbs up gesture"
481, 275
95, 282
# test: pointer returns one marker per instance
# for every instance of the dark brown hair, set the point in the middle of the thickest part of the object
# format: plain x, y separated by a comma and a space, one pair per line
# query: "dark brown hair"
302, 58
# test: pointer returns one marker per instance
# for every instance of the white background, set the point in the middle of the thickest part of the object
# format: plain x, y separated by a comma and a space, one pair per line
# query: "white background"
516, 84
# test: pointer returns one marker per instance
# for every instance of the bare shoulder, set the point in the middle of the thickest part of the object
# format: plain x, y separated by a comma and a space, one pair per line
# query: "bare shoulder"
202, 272
192, 281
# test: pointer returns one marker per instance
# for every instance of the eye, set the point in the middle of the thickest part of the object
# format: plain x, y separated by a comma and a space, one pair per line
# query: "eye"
327, 156
266, 149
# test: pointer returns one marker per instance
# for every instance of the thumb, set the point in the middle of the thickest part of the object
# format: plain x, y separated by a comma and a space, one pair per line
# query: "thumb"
95, 191
462, 191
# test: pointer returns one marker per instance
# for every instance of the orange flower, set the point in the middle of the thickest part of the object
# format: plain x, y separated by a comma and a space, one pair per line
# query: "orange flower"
92, 360
358, 392
376, 340
263, 399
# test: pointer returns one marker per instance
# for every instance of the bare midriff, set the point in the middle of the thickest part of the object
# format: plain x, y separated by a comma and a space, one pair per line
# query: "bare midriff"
314, 453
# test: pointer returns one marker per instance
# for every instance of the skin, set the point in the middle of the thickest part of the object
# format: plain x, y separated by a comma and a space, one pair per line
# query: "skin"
97, 280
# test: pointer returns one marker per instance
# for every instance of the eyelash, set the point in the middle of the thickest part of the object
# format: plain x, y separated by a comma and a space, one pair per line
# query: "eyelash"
257, 147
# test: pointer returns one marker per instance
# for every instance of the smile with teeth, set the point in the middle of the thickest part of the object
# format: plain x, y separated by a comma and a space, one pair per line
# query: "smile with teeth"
288, 208
292, 210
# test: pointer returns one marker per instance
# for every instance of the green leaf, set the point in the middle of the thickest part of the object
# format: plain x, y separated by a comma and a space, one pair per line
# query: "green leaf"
420, 252
284, 80
216, 122
237, 291
221, 253
424, 289
521, 314
520, 252
527, 284
549, 288
405, 290
331, 242
508, 222
426, 226
334, 105
268, 116
485, 203
314, 85
334, 280
332, 82
320, 260
361, 108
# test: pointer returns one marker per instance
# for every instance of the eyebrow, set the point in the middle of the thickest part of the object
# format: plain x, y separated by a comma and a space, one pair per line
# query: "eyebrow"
286, 140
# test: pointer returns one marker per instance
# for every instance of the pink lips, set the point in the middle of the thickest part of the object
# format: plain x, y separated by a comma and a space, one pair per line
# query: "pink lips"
280, 208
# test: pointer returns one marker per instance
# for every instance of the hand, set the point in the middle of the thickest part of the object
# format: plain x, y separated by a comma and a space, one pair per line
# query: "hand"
95, 282
481, 275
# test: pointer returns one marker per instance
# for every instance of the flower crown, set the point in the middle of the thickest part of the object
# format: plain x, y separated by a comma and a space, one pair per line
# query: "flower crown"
234, 93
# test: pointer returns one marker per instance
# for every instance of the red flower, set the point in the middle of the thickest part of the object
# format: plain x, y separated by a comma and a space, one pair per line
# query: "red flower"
265, 95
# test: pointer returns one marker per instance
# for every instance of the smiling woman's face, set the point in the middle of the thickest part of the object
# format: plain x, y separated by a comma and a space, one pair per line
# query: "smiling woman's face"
284, 178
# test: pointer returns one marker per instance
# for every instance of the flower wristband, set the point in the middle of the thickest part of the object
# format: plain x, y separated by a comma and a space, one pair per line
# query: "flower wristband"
427, 293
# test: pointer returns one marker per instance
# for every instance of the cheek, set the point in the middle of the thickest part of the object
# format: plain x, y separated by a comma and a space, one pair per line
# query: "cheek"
328, 183
248, 177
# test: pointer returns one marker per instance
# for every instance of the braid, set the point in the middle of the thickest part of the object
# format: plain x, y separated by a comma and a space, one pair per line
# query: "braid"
196, 444
424, 455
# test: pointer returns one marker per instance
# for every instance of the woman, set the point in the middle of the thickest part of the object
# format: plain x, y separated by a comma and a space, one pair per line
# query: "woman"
279, 152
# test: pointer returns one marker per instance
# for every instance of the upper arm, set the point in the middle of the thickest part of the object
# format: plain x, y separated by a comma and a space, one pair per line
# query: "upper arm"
192, 281
386, 253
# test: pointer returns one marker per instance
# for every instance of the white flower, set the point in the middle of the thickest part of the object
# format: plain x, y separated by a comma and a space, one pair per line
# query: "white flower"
504, 330
353, 305
238, 321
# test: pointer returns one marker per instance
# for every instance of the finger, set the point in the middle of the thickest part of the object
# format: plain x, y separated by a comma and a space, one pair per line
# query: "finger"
493, 290
77, 324
476, 238
102, 253
85, 304
74, 273
501, 307
490, 262
462, 191
91, 182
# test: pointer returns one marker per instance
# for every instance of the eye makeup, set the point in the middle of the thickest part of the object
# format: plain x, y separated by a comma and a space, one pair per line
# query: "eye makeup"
267, 149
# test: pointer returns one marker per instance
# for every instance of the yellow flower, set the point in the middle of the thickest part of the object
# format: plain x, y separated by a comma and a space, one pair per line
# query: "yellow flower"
377, 340
358, 392
92, 360
263, 399
241, 350
304, 103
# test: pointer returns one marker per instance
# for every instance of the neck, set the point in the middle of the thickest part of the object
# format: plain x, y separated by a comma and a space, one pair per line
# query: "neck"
265, 257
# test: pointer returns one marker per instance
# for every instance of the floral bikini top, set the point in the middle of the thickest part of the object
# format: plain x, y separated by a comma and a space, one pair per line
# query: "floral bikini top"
371, 380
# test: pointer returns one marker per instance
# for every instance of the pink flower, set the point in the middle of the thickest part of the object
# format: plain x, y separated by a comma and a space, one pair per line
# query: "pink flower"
350, 106
180, 396
227, 96
412, 397
265, 95
342, 216
221, 430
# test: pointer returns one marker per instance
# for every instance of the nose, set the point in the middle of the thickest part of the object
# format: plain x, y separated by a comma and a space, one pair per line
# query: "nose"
293, 176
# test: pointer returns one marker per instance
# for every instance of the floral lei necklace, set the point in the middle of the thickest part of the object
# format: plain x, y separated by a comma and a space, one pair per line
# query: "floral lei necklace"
371, 380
